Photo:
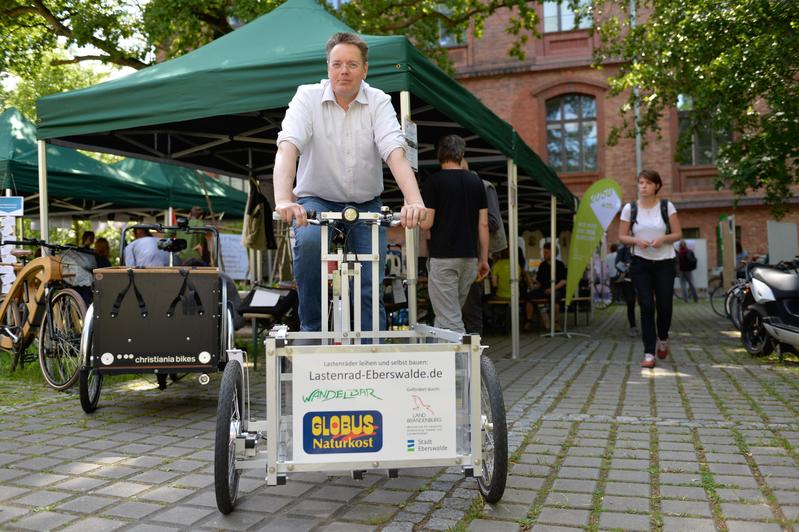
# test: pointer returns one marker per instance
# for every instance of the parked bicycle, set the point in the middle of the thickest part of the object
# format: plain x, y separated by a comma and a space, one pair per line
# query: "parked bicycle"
42, 301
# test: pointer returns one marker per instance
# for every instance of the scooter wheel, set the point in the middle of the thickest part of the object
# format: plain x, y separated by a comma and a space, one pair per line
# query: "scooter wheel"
756, 340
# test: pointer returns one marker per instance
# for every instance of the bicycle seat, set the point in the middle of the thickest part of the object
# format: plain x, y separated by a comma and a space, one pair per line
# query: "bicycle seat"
19, 253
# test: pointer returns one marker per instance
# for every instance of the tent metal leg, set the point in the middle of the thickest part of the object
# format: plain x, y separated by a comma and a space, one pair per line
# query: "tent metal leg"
44, 207
513, 248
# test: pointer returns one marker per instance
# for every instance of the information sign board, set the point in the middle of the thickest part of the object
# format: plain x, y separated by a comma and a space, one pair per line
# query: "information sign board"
392, 406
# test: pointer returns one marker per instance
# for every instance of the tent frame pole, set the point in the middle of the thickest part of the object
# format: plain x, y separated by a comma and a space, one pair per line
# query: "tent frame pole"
411, 235
513, 248
44, 207
553, 206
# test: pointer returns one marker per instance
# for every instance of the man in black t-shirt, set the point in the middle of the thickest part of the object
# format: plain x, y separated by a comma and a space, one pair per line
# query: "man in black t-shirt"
457, 216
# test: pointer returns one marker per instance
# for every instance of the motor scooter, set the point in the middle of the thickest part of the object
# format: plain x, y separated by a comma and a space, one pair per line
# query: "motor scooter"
773, 320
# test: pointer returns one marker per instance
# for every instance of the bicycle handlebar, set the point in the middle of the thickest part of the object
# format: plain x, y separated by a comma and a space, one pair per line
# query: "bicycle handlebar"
388, 219
35, 242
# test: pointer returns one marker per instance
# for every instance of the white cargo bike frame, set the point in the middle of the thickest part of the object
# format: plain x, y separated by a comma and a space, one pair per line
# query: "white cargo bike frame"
389, 425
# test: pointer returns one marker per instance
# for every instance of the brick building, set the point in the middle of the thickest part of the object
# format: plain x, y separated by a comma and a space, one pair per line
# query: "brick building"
560, 106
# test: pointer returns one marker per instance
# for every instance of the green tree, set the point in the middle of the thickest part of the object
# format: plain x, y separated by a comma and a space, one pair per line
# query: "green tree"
46, 79
121, 33
737, 60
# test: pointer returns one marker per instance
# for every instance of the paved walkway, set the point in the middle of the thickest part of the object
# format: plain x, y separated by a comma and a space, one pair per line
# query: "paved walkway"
706, 441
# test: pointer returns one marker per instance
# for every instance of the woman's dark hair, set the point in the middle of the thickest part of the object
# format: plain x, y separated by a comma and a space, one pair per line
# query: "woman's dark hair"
653, 177
87, 235
451, 149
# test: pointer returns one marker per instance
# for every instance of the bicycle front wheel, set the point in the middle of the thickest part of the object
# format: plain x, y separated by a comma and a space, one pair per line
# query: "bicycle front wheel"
717, 299
494, 433
59, 339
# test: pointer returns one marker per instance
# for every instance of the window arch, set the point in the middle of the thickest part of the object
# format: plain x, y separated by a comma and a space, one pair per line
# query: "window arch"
572, 133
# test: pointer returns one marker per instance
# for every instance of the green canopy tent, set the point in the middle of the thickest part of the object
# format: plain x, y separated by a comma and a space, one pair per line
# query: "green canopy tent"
77, 183
186, 187
219, 108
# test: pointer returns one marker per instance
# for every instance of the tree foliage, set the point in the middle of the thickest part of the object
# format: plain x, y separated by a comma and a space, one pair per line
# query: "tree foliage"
121, 33
46, 78
737, 60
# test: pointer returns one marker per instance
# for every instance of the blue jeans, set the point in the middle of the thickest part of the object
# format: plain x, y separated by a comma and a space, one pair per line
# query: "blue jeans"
307, 265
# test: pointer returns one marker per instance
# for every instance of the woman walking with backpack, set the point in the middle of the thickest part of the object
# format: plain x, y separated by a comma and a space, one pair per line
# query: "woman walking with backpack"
687, 263
650, 226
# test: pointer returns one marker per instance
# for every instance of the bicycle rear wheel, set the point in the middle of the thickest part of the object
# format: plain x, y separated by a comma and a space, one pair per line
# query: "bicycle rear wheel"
11, 336
59, 339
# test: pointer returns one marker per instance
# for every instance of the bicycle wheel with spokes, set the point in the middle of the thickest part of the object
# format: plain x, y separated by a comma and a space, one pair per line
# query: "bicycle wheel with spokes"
12, 338
59, 339
228, 428
494, 433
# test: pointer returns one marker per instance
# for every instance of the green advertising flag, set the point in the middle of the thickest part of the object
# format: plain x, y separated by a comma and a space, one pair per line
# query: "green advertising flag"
598, 207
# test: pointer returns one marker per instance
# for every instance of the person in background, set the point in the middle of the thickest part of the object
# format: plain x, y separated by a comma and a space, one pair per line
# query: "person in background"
611, 273
143, 252
195, 253
457, 217
101, 251
87, 240
687, 264
623, 259
472, 310
652, 267
741, 259
500, 282
542, 286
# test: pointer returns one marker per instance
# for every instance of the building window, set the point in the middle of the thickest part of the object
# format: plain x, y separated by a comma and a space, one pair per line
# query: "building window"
572, 133
559, 16
447, 37
698, 144
690, 232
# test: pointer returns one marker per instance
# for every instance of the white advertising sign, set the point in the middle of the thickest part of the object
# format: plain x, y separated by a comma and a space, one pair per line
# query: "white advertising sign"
7, 232
413, 146
352, 407
234, 256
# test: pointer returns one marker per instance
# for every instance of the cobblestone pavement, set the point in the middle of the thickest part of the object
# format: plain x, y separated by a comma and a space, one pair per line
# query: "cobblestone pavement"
706, 441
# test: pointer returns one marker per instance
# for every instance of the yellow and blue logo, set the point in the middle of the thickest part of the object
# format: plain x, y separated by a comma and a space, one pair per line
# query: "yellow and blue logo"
359, 431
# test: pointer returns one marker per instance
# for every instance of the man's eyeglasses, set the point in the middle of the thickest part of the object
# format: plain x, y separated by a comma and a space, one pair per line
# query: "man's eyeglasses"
350, 65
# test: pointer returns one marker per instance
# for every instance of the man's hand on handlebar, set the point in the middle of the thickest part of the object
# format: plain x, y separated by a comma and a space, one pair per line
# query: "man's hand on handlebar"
290, 210
411, 214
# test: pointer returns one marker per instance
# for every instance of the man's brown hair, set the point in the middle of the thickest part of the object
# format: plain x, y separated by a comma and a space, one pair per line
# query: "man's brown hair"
451, 149
347, 38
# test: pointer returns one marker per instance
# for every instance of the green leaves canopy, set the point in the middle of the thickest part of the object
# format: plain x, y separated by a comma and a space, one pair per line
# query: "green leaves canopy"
736, 59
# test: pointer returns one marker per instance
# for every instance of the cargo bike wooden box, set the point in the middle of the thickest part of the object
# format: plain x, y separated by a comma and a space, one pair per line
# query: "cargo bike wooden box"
165, 321
351, 400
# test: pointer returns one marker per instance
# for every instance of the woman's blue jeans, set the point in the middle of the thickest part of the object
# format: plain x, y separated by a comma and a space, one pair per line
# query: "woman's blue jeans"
307, 265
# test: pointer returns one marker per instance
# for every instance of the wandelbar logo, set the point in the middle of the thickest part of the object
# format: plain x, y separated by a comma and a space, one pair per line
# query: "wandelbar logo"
359, 431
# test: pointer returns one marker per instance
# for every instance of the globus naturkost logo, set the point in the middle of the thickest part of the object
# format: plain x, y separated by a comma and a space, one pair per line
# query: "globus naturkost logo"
358, 431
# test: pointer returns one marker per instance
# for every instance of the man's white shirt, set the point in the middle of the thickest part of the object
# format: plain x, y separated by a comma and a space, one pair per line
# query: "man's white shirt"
341, 152
144, 253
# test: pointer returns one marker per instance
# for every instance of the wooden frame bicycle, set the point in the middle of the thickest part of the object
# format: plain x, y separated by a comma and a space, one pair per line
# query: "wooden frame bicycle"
39, 302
